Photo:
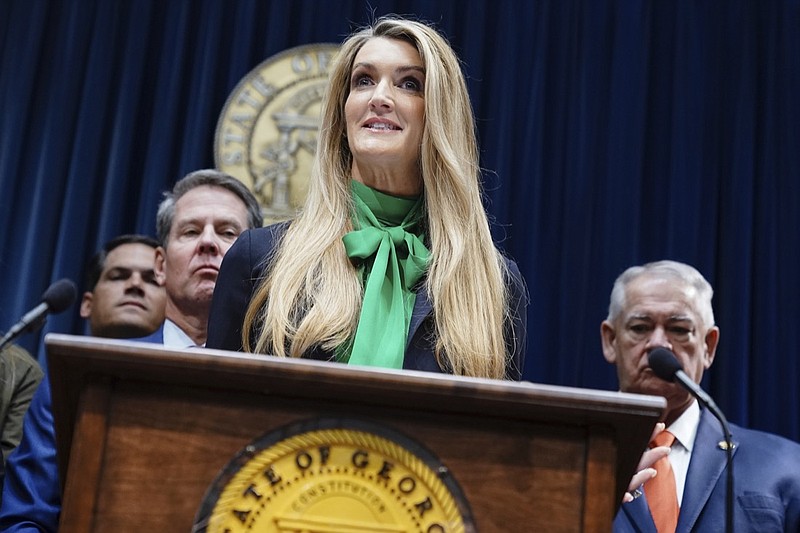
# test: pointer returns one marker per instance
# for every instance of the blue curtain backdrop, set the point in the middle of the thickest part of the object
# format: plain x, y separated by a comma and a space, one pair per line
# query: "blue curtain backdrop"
613, 132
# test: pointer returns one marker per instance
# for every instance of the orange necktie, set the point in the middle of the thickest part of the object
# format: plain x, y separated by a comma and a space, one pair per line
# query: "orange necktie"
662, 496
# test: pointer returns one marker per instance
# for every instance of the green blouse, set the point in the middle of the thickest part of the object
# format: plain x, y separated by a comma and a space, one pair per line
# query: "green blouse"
387, 244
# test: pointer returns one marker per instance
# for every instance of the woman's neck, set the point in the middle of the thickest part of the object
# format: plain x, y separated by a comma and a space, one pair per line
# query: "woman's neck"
404, 184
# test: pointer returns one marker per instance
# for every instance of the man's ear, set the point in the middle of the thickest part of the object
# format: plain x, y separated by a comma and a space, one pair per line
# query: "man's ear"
711, 343
608, 335
86, 304
160, 267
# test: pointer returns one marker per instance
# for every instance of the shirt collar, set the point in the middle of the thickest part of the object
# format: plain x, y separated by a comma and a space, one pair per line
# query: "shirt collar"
685, 427
175, 337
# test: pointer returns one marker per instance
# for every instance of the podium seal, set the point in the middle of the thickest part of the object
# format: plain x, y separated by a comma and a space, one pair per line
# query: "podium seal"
334, 476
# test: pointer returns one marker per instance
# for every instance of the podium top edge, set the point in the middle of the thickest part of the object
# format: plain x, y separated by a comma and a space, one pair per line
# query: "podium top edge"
126, 359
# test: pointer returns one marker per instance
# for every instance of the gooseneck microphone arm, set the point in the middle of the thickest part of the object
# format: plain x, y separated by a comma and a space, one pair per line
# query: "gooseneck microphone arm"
667, 367
55, 299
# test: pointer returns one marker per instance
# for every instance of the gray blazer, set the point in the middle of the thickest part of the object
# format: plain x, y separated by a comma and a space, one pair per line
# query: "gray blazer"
20, 374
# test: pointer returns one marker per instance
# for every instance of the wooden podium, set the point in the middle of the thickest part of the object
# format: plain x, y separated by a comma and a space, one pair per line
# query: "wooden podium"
142, 432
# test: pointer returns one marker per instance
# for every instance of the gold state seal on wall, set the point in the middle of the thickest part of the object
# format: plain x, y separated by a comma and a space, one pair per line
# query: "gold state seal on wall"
334, 476
267, 132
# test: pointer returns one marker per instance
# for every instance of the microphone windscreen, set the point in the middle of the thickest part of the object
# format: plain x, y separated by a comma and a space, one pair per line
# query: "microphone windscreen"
60, 295
664, 363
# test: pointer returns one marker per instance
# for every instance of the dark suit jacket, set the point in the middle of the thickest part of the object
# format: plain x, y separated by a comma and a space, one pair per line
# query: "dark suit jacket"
243, 266
766, 470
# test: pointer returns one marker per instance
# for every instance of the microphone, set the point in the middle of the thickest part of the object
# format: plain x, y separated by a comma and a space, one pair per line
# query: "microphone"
55, 299
667, 367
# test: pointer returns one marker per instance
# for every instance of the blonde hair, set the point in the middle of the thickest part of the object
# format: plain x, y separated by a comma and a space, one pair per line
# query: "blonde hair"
311, 294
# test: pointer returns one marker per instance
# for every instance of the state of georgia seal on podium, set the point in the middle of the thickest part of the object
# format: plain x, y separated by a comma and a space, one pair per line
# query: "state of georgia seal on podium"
334, 476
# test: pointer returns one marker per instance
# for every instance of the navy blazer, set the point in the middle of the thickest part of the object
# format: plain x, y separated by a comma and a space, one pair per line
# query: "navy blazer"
766, 480
243, 267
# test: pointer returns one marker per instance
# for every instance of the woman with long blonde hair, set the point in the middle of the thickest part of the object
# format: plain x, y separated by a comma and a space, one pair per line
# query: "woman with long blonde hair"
391, 262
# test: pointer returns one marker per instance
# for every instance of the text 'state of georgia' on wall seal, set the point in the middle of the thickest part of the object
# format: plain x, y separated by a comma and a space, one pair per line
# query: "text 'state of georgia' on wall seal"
267, 131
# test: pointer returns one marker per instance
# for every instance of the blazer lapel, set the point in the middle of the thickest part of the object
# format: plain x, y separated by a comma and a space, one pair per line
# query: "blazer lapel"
422, 308
705, 469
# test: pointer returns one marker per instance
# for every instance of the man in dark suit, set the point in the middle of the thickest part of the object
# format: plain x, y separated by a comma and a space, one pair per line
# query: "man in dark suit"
197, 222
668, 305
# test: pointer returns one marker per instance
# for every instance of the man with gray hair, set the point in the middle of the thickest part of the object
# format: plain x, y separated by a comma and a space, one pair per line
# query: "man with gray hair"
667, 305
197, 222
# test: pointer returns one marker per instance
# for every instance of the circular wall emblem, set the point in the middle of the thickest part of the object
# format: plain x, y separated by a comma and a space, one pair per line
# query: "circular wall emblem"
334, 476
267, 132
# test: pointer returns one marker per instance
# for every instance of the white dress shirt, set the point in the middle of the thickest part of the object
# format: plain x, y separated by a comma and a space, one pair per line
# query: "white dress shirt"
175, 337
685, 430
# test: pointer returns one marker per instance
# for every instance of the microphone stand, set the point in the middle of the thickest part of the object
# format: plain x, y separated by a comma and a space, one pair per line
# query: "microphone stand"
728, 444
706, 400
666, 366
12, 334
